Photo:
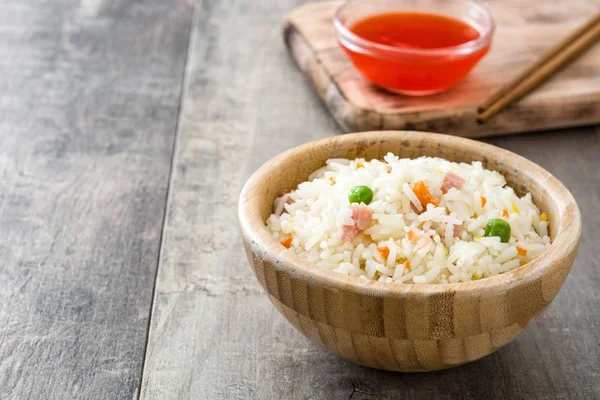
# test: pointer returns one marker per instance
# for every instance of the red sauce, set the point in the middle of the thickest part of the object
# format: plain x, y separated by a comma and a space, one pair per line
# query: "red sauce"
413, 30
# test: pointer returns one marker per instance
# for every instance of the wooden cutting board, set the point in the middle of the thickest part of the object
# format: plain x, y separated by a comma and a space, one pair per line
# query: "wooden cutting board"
525, 30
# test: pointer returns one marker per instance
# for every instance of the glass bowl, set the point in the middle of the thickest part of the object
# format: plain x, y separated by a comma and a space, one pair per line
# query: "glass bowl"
407, 69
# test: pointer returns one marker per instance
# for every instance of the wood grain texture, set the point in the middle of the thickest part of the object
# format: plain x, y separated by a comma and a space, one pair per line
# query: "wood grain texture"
438, 326
204, 285
215, 334
88, 104
525, 31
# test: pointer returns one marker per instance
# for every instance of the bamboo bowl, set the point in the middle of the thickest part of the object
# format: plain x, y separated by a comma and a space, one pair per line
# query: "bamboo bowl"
406, 327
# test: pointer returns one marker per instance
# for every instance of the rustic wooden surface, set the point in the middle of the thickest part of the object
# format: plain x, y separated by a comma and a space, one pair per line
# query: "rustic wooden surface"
525, 31
214, 333
88, 100
89, 94
408, 328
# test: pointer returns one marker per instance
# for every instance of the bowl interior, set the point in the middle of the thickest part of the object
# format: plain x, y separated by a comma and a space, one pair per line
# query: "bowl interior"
287, 170
464, 10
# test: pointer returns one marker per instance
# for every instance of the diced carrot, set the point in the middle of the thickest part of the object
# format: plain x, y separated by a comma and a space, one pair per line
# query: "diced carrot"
515, 209
407, 265
359, 165
505, 213
521, 251
543, 217
483, 201
411, 235
287, 242
423, 194
384, 251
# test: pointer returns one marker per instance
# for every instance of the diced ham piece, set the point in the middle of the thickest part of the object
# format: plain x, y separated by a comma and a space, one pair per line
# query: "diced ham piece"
280, 202
349, 232
415, 209
457, 230
362, 215
451, 180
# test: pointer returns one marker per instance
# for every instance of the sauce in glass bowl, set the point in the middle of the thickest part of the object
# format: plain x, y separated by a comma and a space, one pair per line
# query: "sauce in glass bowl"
413, 52
415, 30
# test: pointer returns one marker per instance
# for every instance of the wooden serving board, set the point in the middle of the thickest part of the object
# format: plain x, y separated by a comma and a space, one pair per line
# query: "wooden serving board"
525, 30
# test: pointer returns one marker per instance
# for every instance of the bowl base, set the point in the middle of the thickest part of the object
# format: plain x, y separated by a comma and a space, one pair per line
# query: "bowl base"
415, 93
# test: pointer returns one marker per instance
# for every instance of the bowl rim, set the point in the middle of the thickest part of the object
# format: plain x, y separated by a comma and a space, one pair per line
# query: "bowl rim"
350, 39
566, 240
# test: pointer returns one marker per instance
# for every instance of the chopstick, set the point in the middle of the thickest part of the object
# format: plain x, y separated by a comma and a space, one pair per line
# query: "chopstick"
559, 56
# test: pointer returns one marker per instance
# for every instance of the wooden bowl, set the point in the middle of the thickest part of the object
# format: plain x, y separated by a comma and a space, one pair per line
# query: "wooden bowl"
406, 327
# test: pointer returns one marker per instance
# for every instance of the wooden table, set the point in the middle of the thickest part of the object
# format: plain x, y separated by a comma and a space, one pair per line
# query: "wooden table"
127, 131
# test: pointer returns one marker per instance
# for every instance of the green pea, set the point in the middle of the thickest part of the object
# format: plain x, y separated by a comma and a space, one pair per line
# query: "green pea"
498, 227
361, 194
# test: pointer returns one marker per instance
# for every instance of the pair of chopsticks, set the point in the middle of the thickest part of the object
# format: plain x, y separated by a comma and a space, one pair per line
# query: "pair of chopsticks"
559, 56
